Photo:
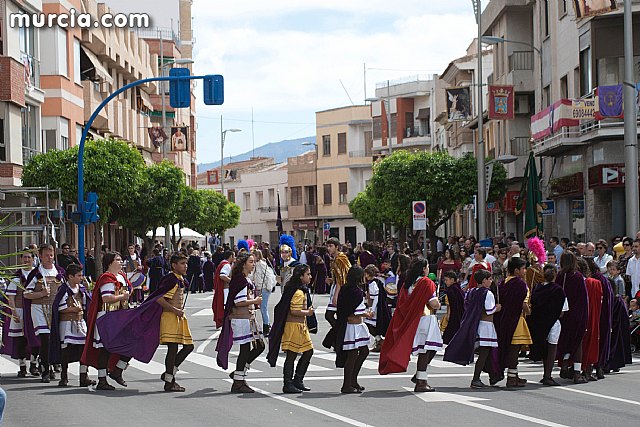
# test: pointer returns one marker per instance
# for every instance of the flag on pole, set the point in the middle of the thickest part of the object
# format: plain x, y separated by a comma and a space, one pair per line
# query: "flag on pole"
531, 198
279, 220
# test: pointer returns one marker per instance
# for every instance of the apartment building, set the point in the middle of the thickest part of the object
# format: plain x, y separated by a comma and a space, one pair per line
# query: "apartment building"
344, 144
303, 197
582, 163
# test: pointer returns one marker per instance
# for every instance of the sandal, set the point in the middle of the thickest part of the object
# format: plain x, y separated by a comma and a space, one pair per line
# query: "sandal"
549, 382
104, 385
118, 379
172, 387
349, 390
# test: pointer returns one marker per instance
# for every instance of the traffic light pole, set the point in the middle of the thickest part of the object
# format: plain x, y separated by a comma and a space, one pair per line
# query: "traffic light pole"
85, 132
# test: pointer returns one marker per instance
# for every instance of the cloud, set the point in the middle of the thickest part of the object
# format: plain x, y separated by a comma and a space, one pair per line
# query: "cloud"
288, 57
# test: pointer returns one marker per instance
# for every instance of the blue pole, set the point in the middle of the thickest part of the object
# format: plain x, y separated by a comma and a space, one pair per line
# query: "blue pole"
85, 132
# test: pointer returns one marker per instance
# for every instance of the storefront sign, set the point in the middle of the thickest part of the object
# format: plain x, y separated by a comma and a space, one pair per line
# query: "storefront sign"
548, 207
304, 225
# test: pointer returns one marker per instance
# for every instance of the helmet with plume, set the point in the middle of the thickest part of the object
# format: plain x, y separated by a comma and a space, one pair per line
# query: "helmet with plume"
289, 241
251, 244
537, 253
243, 244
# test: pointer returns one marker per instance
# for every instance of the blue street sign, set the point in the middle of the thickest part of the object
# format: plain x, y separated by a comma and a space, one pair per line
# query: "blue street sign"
213, 89
548, 207
179, 90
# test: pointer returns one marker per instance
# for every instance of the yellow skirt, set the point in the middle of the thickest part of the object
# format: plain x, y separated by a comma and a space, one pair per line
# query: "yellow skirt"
522, 335
174, 330
296, 337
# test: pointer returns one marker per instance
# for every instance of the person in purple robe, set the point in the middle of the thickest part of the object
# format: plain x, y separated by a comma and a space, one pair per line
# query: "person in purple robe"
455, 305
320, 275
156, 270
366, 256
208, 273
620, 350
606, 318
573, 322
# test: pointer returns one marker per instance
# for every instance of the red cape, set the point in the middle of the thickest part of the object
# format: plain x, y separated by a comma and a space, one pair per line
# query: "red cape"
398, 343
218, 296
591, 340
90, 353
476, 267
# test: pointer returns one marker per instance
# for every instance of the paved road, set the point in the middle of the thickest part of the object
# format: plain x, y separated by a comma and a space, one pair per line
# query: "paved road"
387, 401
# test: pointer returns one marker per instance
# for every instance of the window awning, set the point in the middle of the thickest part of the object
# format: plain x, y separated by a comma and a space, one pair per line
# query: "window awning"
101, 71
146, 99
423, 114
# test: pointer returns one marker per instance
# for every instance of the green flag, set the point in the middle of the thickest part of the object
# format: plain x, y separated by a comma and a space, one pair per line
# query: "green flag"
532, 197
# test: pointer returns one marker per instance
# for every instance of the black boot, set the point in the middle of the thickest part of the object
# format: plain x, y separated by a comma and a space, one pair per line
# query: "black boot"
301, 370
266, 329
64, 379
288, 386
22, 373
45, 377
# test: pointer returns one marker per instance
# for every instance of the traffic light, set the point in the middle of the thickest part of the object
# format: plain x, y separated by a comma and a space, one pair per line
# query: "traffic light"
179, 90
91, 208
213, 89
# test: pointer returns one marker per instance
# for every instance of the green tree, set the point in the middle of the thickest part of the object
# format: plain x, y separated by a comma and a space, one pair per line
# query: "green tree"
229, 218
160, 197
444, 182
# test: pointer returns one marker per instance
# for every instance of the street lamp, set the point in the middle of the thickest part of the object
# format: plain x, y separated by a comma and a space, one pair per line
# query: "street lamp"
481, 200
167, 236
223, 135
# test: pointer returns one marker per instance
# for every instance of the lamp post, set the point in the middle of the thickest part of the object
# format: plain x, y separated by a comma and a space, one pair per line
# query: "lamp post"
167, 234
481, 200
223, 135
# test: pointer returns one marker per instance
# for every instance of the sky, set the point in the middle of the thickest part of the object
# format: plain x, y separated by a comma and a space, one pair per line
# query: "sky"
287, 59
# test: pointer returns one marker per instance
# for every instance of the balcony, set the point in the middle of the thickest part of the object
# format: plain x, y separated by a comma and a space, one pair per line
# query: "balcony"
266, 209
416, 135
268, 213
361, 153
521, 71
310, 210
520, 146
28, 153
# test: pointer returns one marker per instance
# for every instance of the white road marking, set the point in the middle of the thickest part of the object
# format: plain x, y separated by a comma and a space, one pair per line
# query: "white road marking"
280, 363
204, 345
600, 396
326, 413
210, 362
8, 366
368, 364
204, 312
153, 368
469, 401
207, 298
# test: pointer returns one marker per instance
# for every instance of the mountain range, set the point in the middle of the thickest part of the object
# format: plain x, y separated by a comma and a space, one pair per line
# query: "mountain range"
280, 151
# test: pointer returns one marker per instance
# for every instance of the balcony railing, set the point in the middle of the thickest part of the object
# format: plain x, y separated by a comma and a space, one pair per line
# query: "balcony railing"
521, 60
31, 70
361, 153
416, 131
28, 153
520, 146
310, 210
266, 209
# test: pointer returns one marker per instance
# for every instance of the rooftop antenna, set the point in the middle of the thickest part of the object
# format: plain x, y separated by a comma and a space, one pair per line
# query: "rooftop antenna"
345, 91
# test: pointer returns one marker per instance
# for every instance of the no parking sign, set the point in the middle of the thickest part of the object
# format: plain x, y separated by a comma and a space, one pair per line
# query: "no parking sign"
420, 215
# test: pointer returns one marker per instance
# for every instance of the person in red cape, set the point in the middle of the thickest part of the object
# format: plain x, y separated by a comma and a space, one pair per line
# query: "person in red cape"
221, 281
479, 263
110, 293
591, 340
413, 328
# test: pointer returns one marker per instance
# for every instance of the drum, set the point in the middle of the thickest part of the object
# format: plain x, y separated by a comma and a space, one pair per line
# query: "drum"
137, 279
391, 286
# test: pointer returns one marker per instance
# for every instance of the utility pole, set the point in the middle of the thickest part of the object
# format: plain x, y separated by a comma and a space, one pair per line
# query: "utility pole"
167, 228
481, 202
630, 126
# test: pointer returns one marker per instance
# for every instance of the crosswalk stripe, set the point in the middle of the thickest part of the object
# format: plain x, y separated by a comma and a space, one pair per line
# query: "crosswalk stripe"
209, 362
7, 366
204, 312
368, 364
153, 367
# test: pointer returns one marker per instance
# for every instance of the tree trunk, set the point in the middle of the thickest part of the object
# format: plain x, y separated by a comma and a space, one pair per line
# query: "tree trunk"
97, 251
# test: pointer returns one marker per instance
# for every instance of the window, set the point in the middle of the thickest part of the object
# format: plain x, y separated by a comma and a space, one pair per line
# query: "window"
3, 145
576, 82
546, 95
585, 72
327, 194
394, 125
246, 197
231, 196
76, 62
545, 17
30, 147
610, 71
260, 199
562, 8
326, 145
342, 192
64, 133
564, 88
296, 196
342, 143
61, 38
377, 127
368, 142
272, 197
78, 134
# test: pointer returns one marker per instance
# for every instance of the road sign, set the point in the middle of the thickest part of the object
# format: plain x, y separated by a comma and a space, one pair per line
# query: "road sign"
610, 175
213, 88
179, 90
326, 227
419, 215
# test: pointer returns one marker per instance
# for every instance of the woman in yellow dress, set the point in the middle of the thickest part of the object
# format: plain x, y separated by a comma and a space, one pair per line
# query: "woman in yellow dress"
290, 330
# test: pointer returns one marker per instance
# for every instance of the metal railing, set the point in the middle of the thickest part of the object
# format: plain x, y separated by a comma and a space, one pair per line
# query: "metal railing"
28, 153
521, 60
266, 209
310, 210
31, 70
416, 131
361, 153
406, 79
520, 146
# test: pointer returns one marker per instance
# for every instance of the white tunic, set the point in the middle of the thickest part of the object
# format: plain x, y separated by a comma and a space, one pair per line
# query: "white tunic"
16, 326
356, 335
241, 328
72, 332
428, 336
40, 320
106, 289
554, 332
487, 336
373, 294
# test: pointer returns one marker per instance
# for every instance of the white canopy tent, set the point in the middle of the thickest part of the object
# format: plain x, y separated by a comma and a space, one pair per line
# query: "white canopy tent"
186, 233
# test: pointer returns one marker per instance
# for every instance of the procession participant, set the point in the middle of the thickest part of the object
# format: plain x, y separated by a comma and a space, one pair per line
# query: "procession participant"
414, 327
455, 306
133, 265
42, 286
548, 303
340, 265
111, 293
620, 350
573, 322
476, 330
264, 280
510, 323
240, 325
13, 338
288, 259
208, 272
156, 270
606, 318
352, 335
174, 327
376, 297
68, 326
221, 281
366, 257
290, 330
478, 263
591, 340
537, 258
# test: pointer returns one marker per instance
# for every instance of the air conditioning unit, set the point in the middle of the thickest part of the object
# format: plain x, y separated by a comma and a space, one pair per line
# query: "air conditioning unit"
522, 104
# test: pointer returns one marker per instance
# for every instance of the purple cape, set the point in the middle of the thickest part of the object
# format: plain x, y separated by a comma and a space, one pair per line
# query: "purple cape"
455, 296
574, 321
208, 271
349, 298
225, 340
9, 346
136, 332
365, 258
55, 341
29, 331
280, 314
546, 307
512, 295
462, 345
620, 354
606, 319
383, 313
